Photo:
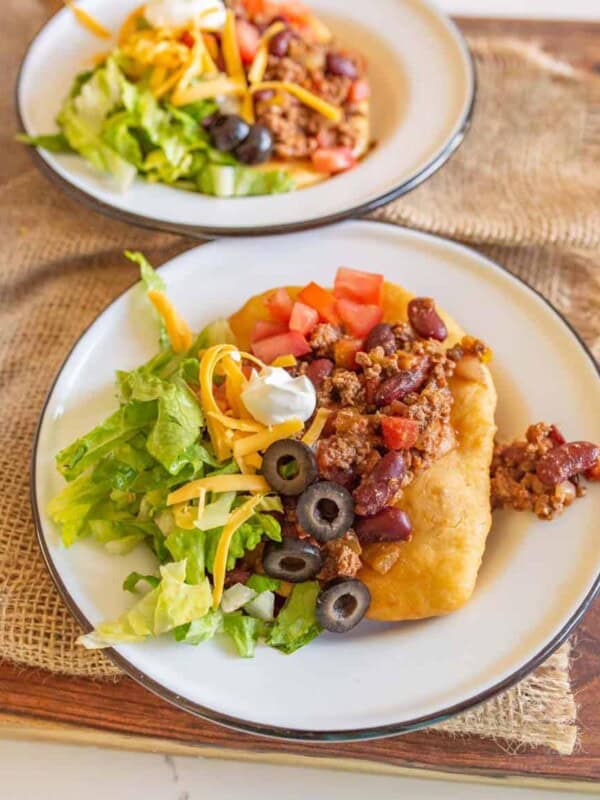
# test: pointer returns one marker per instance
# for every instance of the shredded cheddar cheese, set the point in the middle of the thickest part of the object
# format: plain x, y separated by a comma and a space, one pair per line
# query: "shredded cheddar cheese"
238, 517
208, 89
219, 483
88, 21
316, 428
260, 441
284, 361
248, 426
257, 69
308, 98
231, 51
178, 330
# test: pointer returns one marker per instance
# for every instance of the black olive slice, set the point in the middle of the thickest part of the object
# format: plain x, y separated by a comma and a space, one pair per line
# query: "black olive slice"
289, 466
292, 560
342, 604
325, 510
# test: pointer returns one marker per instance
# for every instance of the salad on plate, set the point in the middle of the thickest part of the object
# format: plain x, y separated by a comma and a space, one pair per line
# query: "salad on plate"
322, 456
248, 97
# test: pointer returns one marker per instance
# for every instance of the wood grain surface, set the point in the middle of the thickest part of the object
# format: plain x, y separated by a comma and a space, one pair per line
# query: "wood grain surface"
40, 705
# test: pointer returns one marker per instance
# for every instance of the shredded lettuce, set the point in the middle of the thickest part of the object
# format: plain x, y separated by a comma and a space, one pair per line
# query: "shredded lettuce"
121, 129
171, 604
262, 583
131, 582
243, 631
200, 630
296, 625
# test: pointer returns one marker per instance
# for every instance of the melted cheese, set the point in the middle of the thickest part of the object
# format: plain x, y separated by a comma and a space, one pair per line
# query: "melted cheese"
88, 21
260, 441
316, 428
239, 516
178, 330
219, 483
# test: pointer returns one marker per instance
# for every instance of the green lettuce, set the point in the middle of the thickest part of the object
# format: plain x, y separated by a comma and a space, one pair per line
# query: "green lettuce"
171, 604
296, 624
244, 632
200, 630
131, 582
247, 537
53, 142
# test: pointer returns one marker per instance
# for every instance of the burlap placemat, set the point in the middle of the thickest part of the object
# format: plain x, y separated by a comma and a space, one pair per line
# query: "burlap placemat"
524, 189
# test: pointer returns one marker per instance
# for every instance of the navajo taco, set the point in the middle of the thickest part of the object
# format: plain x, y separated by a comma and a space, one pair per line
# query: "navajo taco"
322, 456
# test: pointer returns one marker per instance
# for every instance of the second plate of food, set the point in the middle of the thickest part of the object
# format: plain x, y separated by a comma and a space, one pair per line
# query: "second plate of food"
330, 515
259, 117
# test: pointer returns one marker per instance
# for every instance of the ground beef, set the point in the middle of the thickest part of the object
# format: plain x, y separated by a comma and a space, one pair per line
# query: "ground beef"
405, 336
351, 449
322, 339
514, 481
348, 387
341, 558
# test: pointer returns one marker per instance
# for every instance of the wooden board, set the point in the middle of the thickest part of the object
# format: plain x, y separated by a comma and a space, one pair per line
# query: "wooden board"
35, 704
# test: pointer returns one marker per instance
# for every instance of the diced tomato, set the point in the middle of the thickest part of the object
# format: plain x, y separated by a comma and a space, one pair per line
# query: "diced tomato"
359, 91
344, 352
254, 7
279, 305
362, 287
303, 319
187, 39
399, 433
321, 300
333, 159
294, 11
248, 39
292, 343
266, 327
358, 319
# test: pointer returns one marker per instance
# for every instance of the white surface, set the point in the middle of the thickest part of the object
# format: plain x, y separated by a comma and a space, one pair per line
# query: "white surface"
533, 577
417, 63
537, 9
54, 772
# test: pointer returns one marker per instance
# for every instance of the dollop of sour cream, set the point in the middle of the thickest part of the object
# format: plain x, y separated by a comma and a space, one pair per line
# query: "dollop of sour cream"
273, 396
177, 13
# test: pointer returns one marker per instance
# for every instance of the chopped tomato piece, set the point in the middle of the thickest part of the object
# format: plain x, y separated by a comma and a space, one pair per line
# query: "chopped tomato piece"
303, 319
399, 433
187, 39
254, 7
248, 39
265, 328
295, 12
280, 304
321, 300
358, 319
292, 343
362, 287
344, 352
333, 159
359, 91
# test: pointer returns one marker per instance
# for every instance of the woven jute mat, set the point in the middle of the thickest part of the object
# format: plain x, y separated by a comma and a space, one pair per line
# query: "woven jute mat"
524, 189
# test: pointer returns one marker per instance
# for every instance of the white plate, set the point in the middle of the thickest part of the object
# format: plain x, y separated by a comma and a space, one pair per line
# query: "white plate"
423, 89
536, 580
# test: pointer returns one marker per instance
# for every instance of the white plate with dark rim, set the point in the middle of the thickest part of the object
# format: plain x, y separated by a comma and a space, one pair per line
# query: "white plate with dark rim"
537, 578
423, 91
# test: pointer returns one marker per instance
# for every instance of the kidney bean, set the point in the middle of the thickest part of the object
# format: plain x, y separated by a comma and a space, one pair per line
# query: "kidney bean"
404, 382
280, 43
390, 525
565, 461
377, 489
381, 335
337, 64
318, 370
556, 435
425, 320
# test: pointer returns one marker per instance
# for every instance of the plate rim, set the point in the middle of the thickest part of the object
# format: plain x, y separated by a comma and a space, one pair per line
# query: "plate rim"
298, 734
443, 155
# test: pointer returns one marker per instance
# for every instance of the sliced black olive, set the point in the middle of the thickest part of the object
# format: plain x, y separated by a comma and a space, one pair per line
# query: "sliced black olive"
325, 510
289, 466
228, 131
256, 147
342, 604
292, 560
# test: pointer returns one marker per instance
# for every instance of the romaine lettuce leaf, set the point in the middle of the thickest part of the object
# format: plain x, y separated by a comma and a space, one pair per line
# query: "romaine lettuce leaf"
244, 632
200, 629
53, 142
189, 545
247, 537
130, 584
171, 604
296, 624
